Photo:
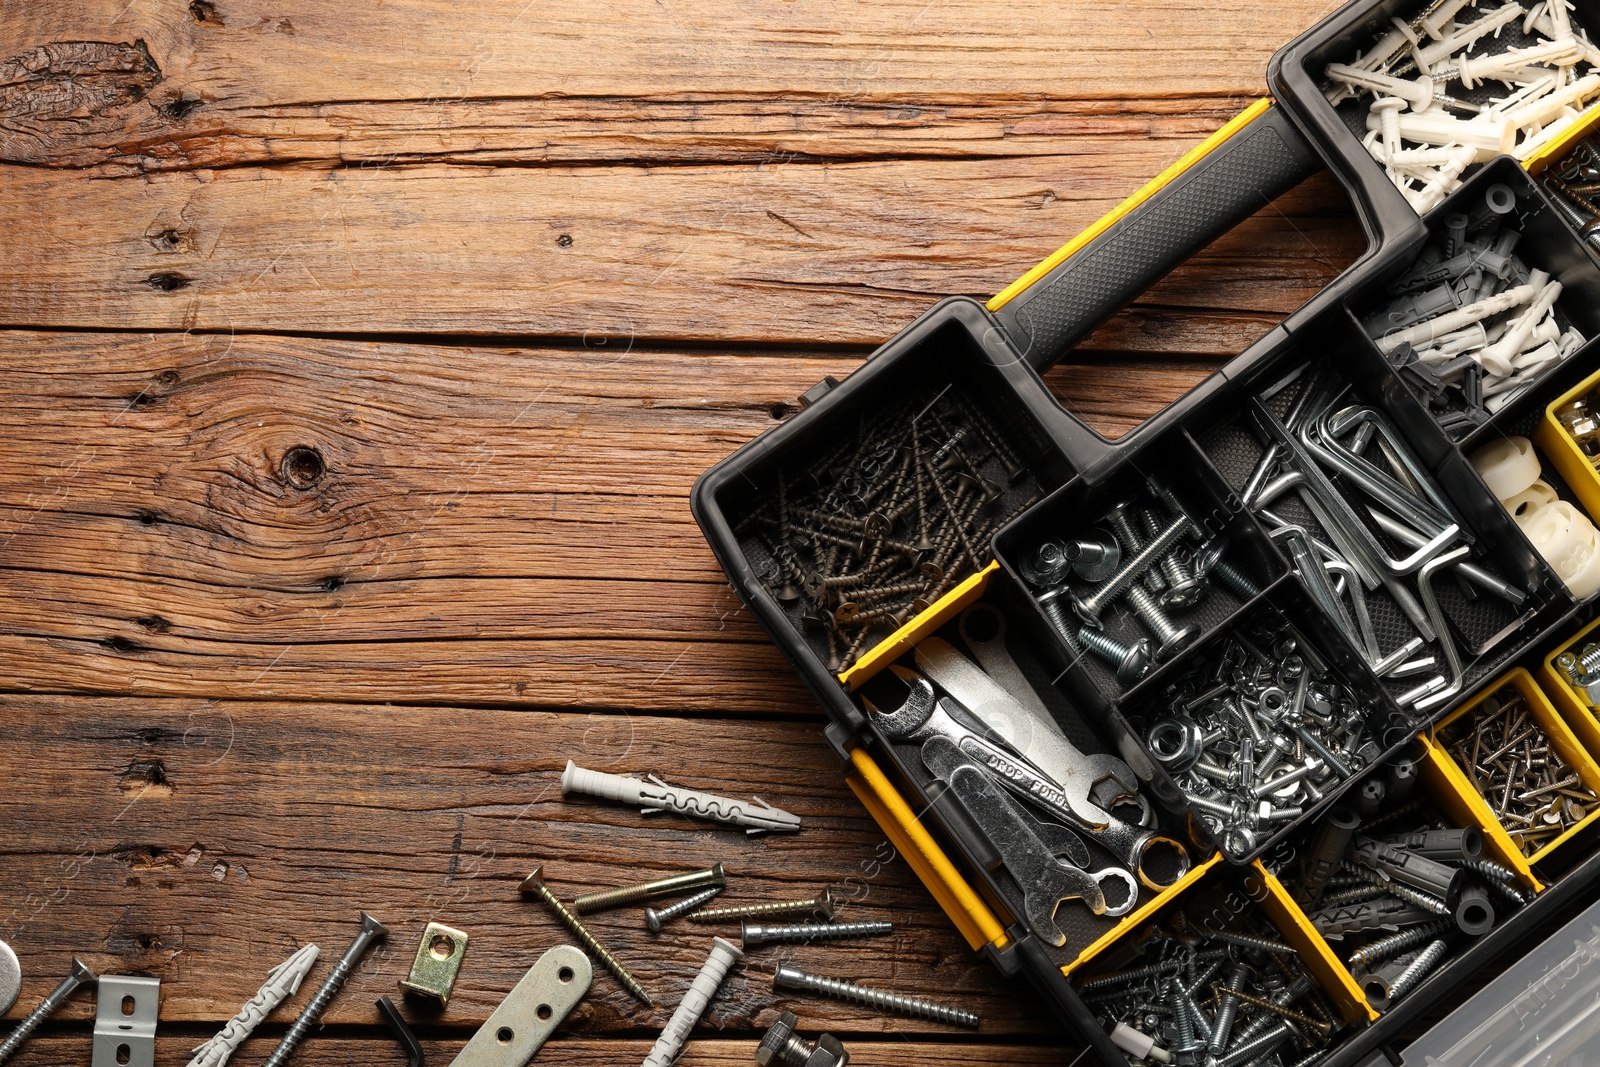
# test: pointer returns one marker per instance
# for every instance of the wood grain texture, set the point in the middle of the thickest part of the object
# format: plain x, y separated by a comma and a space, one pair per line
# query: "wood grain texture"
514, 276
794, 253
203, 840
484, 529
65, 1051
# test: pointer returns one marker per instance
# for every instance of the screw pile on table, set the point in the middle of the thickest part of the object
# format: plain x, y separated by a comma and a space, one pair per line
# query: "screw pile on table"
884, 524
1458, 85
1259, 733
1471, 325
1511, 762
1215, 992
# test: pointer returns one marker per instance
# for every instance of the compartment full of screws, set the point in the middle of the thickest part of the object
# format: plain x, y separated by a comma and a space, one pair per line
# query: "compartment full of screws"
1470, 324
1537, 779
1457, 84
1258, 727
1397, 887
895, 514
1219, 979
1573, 185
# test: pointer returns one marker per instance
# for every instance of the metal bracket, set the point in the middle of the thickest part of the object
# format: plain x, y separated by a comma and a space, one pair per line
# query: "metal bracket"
433, 972
533, 1009
125, 1021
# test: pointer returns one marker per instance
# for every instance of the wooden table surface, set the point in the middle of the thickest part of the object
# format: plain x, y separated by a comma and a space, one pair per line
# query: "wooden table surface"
358, 362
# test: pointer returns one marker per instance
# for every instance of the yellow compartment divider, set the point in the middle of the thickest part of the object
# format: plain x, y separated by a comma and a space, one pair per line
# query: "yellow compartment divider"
1329, 971
1573, 707
1554, 727
937, 614
1447, 784
1159, 182
888, 808
1563, 144
1563, 452
1142, 913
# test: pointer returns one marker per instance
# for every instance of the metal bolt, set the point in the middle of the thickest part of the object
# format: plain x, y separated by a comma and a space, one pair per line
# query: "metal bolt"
782, 1047
1170, 638
372, 931
534, 884
1187, 1039
1183, 588
1089, 607
604, 899
1228, 1005
48, 1007
1131, 661
1095, 556
1121, 520
803, 933
794, 979
656, 918
821, 905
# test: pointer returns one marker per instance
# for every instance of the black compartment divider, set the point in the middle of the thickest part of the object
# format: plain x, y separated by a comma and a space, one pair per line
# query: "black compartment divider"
1390, 726
1090, 728
1547, 243
1173, 464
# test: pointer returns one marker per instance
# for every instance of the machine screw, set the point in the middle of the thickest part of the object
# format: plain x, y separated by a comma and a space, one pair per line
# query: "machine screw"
1089, 607
821, 906
1095, 556
656, 918
372, 931
80, 975
604, 899
1261, 1044
794, 979
1170, 638
1228, 1005
1121, 519
802, 933
534, 884
782, 1047
1131, 661
1183, 588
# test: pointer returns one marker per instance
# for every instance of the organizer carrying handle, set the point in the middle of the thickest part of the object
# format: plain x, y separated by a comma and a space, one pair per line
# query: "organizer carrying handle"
1238, 170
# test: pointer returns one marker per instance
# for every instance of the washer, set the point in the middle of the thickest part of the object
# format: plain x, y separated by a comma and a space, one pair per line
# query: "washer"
10, 978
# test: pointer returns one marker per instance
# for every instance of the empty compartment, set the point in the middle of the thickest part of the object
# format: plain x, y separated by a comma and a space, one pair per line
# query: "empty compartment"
1039, 795
1520, 756
1498, 297
1135, 567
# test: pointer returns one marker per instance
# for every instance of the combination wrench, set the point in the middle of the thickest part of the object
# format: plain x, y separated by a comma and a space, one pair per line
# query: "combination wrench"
922, 717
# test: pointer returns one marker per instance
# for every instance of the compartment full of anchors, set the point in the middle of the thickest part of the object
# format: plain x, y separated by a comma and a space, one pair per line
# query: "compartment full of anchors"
1433, 90
1499, 295
1061, 827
